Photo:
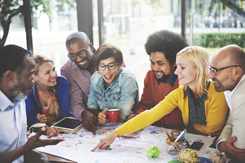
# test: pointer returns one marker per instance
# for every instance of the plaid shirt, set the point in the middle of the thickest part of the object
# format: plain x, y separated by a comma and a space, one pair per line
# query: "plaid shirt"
79, 83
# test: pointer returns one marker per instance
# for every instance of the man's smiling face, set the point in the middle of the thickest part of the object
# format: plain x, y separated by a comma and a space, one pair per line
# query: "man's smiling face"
161, 67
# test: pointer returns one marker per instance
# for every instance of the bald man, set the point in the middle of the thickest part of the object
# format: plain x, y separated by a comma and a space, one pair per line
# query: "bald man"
78, 71
227, 70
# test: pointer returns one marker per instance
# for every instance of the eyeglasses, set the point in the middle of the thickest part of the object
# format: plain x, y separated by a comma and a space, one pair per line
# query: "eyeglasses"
81, 54
110, 66
214, 70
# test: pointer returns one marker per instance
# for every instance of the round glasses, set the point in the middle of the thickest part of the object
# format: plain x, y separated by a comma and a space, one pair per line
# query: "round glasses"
110, 66
81, 54
214, 70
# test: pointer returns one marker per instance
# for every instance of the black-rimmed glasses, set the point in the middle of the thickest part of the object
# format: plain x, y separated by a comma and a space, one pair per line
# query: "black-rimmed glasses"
81, 54
110, 66
214, 70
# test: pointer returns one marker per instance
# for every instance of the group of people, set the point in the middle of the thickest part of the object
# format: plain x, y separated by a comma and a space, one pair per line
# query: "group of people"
177, 92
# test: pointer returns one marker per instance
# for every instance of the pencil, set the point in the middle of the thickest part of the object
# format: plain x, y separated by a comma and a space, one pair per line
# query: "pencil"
178, 147
167, 134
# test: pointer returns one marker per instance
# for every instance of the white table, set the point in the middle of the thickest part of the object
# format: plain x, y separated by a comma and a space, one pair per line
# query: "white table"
77, 147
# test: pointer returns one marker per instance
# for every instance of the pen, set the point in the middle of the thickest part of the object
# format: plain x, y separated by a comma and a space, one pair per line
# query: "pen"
170, 138
181, 135
167, 134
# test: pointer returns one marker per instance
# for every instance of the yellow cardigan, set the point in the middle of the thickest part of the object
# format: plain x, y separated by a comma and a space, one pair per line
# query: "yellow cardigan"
215, 109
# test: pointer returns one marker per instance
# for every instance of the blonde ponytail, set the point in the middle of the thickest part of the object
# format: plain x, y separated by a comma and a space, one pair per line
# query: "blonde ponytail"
54, 108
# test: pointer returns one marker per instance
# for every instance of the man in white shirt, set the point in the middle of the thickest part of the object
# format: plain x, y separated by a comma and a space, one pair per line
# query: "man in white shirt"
16, 80
227, 69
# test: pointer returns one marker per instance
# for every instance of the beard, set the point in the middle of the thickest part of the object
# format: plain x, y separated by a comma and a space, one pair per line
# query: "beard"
163, 78
222, 86
20, 90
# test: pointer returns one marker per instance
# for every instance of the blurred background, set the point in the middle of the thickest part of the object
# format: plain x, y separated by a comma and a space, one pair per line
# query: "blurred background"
124, 23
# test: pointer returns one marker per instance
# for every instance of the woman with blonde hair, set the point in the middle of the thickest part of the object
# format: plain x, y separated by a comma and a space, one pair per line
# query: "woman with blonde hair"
49, 99
201, 106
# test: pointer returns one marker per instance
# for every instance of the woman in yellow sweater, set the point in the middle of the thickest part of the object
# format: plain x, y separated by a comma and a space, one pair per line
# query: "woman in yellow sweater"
202, 107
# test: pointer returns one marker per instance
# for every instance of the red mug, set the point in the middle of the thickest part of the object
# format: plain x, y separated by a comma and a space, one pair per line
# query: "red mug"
113, 115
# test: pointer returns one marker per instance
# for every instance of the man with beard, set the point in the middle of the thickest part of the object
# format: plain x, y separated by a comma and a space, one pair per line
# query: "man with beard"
162, 46
16, 70
227, 69
78, 71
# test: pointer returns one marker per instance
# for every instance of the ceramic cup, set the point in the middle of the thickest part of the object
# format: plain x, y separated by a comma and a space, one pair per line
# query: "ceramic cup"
113, 114
36, 127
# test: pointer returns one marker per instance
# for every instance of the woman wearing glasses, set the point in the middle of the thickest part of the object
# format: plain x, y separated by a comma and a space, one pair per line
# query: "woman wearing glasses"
202, 107
112, 86
49, 99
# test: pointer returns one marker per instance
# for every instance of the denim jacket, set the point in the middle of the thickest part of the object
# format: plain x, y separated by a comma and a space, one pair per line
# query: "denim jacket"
122, 93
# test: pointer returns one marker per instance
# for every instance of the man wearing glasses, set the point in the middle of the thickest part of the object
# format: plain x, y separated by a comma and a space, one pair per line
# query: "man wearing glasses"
78, 71
227, 70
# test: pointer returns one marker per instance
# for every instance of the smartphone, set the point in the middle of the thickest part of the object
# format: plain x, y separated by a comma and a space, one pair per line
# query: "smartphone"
196, 145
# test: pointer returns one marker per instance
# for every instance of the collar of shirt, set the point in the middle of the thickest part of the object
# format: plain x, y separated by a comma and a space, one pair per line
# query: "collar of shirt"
171, 80
101, 82
5, 103
228, 94
196, 112
189, 93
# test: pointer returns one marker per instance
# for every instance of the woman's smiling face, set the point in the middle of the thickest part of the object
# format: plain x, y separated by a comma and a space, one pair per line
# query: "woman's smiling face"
185, 71
47, 74
109, 74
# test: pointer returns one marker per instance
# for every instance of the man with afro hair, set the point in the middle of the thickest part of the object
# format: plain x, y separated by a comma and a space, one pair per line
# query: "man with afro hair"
162, 47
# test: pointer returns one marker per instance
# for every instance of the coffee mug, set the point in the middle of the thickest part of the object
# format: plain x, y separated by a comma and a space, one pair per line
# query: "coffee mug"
36, 127
113, 114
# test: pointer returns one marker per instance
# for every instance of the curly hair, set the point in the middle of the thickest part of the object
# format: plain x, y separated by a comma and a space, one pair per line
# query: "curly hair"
12, 58
166, 42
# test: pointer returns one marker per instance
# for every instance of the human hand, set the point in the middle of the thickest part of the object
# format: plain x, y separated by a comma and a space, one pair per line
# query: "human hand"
89, 121
131, 116
106, 141
231, 151
121, 120
42, 118
35, 142
102, 116
52, 131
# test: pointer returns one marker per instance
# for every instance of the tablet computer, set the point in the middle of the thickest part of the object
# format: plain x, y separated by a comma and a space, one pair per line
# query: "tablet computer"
68, 124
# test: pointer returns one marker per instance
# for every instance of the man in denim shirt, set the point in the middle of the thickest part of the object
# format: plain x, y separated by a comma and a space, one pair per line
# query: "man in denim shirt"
112, 86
